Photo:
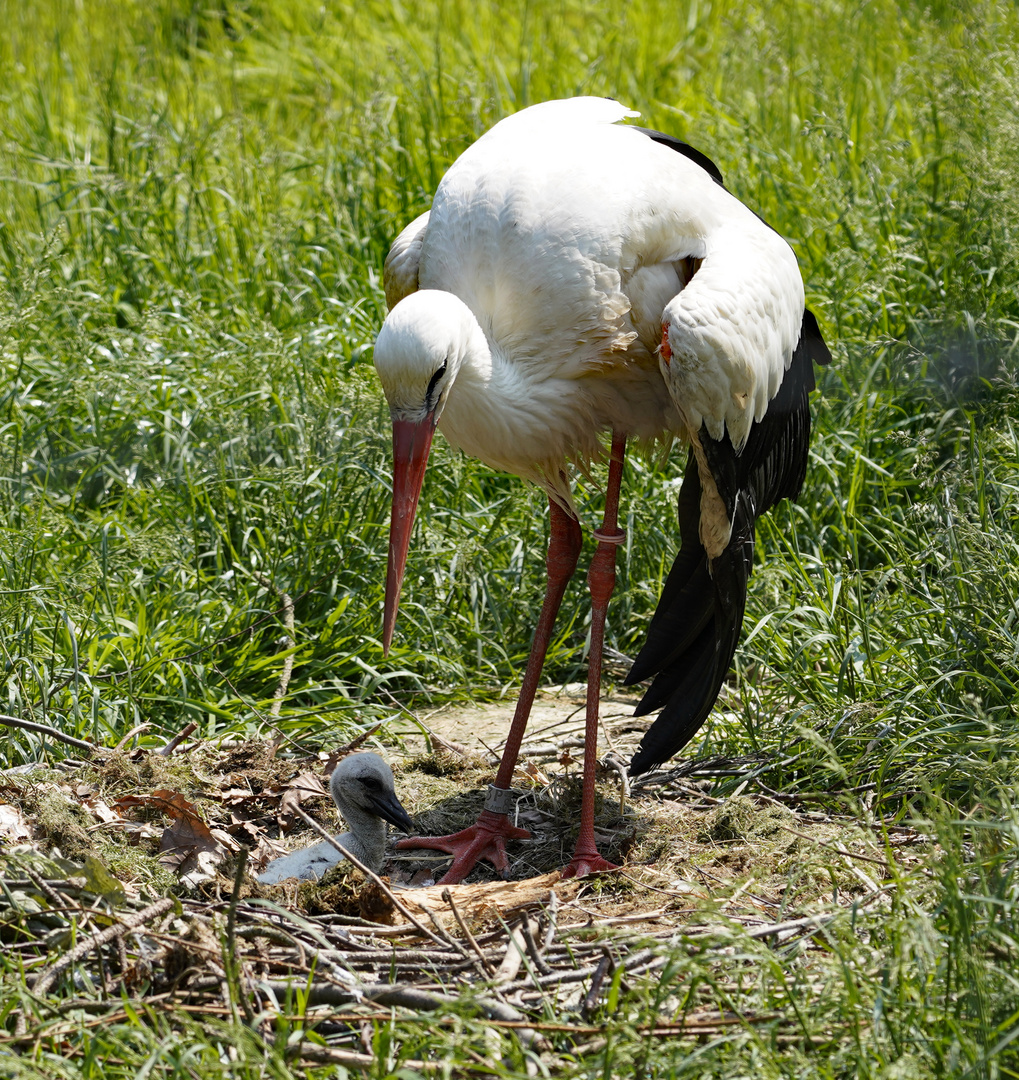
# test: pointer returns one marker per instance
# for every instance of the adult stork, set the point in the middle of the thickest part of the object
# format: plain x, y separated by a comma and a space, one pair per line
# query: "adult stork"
575, 277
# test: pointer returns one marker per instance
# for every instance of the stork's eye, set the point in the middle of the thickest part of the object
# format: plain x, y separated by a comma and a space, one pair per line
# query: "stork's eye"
370, 783
435, 382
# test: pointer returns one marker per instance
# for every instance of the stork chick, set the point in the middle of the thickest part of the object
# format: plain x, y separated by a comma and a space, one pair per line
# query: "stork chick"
362, 788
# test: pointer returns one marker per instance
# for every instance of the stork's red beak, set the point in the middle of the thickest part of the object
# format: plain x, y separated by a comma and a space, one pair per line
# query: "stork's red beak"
411, 443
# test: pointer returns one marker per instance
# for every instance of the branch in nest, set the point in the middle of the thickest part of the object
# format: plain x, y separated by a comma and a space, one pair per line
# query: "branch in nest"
45, 729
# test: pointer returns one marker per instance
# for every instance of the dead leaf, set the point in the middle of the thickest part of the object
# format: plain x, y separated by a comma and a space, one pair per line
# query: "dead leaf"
234, 796
265, 851
199, 867
189, 834
104, 813
528, 771
188, 845
304, 786
224, 838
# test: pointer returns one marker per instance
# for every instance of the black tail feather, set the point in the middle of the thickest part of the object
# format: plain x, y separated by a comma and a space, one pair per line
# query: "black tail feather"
694, 648
693, 635
690, 684
679, 678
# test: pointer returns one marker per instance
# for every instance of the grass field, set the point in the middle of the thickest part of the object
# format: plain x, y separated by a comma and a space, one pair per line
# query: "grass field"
195, 202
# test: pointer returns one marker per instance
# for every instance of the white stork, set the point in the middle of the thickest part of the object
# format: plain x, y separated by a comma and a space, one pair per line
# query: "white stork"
575, 277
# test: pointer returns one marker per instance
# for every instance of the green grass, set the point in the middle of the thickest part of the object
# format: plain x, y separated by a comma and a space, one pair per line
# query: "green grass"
195, 201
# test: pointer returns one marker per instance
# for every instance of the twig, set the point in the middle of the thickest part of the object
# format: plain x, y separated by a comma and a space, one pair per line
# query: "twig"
448, 897
323, 1055
513, 957
288, 624
45, 729
614, 762
838, 850
591, 999
136, 730
46, 889
775, 929
407, 997
230, 961
358, 740
46, 978
172, 745
441, 931
553, 916
532, 947
278, 937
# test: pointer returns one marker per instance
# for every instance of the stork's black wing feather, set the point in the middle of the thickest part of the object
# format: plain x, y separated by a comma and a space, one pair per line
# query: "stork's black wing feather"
694, 632
687, 151
686, 605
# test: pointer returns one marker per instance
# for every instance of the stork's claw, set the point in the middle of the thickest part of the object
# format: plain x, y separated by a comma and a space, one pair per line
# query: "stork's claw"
582, 865
486, 839
586, 859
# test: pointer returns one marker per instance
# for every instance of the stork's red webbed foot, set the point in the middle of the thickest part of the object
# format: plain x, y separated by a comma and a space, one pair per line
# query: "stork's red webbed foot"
587, 862
485, 839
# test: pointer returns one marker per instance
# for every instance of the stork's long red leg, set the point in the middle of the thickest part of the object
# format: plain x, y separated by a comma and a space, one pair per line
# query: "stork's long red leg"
487, 838
601, 579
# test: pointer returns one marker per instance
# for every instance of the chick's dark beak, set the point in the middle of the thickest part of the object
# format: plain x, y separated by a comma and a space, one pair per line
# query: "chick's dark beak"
388, 808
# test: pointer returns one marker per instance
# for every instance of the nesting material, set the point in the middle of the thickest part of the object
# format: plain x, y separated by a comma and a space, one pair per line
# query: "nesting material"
481, 905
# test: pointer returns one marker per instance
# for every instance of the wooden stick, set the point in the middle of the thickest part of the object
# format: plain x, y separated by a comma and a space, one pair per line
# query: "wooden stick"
45, 729
136, 730
45, 979
172, 745
486, 967
321, 1055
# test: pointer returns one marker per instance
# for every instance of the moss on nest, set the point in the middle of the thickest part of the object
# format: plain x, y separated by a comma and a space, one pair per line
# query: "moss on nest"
337, 892
449, 763
64, 823
743, 818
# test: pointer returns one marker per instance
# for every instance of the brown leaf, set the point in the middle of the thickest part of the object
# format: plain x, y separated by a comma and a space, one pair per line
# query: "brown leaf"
103, 812
189, 834
187, 845
264, 852
233, 796
200, 866
304, 786
528, 771
174, 804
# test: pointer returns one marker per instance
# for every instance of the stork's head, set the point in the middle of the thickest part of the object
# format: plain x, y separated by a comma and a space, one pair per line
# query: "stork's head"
418, 353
